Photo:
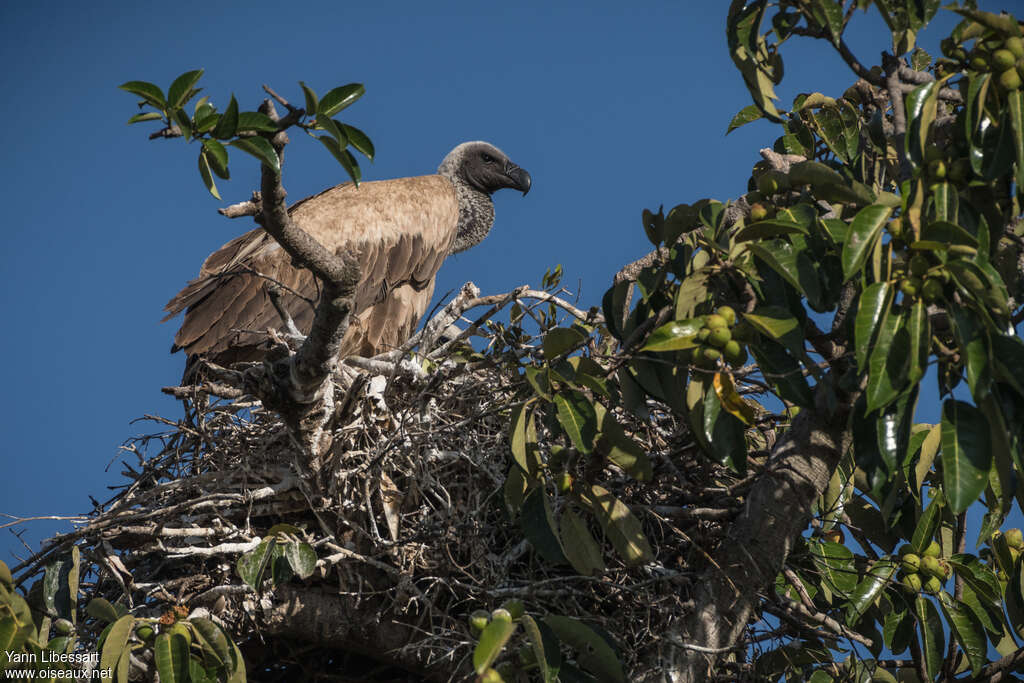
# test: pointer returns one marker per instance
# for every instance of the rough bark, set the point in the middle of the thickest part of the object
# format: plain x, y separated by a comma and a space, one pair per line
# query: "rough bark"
747, 562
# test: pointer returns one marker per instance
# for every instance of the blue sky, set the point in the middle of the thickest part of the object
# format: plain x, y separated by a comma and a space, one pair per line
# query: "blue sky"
612, 108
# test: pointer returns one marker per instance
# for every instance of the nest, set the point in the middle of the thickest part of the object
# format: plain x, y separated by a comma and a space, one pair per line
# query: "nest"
411, 529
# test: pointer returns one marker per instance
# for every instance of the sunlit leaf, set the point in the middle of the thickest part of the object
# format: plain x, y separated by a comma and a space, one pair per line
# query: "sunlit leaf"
966, 453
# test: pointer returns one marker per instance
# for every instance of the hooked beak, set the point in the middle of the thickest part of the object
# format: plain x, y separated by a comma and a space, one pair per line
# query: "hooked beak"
519, 177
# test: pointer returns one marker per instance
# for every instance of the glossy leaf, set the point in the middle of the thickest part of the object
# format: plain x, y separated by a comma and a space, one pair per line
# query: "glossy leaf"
873, 307
967, 630
312, 101
887, 364
869, 588
339, 98
674, 335
921, 107
178, 93
835, 563
966, 453
227, 124
919, 335
145, 116
206, 174
255, 121
217, 158
149, 92
768, 228
343, 156
359, 140
722, 433
259, 148
932, 637
794, 266
866, 227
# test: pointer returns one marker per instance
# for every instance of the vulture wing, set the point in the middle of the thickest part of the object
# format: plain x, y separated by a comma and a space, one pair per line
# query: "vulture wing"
401, 231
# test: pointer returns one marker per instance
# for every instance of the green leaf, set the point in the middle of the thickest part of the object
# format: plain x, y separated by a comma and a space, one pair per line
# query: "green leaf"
622, 450
359, 140
259, 148
582, 551
578, 418
887, 365
1016, 101
204, 172
722, 433
213, 641
919, 333
783, 372
966, 453
619, 524
538, 524
967, 630
333, 129
101, 609
227, 124
593, 651
339, 98
171, 653
866, 227
255, 121
794, 266
560, 340
835, 562
251, 564
545, 648
746, 115
870, 587
312, 102
768, 228
492, 641
152, 94
921, 108
873, 307
926, 527
932, 639
145, 116
773, 321
344, 157
181, 88
217, 157
832, 14
674, 336
116, 642
523, 439
301, 557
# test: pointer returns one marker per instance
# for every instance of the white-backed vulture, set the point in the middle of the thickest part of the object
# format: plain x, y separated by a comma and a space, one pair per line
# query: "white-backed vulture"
401, 231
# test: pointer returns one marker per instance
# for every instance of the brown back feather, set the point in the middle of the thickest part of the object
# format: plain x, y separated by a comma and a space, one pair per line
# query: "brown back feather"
401, 230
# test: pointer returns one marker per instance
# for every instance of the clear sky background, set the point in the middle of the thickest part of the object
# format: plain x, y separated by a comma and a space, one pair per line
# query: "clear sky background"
611, 107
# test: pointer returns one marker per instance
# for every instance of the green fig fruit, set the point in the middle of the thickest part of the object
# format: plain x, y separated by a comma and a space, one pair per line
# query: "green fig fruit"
728, 313
1003, 59
715, 321
933, 550
933, 585
912, 581
719, 337
1015, 538
910, 563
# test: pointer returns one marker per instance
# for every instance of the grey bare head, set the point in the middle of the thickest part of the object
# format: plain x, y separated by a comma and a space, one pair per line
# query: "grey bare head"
478, 170
484, 167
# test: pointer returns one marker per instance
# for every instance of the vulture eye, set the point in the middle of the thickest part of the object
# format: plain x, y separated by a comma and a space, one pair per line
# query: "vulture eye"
487, 158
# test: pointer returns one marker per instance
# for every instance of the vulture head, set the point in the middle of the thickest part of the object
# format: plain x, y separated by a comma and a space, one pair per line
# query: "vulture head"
477, 170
